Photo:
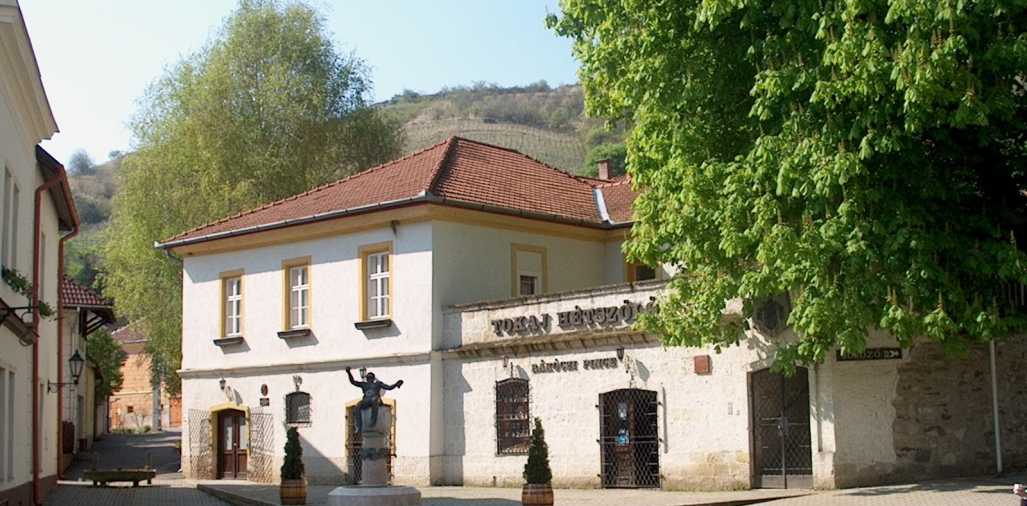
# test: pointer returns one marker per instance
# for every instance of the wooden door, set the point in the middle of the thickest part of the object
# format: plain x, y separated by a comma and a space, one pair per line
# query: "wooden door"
233, 444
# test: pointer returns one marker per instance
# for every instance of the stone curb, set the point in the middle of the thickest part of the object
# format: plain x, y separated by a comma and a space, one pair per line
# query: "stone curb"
233, 499
240, 500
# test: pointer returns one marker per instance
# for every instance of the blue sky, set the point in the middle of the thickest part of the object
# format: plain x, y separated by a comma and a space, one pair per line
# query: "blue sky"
97, 56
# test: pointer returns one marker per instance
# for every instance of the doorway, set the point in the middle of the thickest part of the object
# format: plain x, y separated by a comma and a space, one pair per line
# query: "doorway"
629, 439
783, 456
233, 444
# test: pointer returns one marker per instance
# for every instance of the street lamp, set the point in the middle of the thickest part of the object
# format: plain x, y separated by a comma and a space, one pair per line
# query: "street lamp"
76, 362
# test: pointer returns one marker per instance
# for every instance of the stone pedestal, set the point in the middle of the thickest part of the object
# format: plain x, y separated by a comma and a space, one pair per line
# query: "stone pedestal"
373, 489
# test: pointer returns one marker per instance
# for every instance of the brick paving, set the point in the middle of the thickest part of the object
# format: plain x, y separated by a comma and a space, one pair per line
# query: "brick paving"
161, 493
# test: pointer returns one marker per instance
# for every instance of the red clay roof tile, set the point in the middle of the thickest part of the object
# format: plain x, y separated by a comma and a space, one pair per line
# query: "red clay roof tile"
457, 171
76, 295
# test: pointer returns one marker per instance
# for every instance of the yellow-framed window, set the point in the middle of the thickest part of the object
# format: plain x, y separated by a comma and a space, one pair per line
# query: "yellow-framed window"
634, 271
376, 274
231, 304
298, 293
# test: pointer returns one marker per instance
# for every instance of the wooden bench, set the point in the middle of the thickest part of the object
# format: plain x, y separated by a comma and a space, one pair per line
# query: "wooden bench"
101, 477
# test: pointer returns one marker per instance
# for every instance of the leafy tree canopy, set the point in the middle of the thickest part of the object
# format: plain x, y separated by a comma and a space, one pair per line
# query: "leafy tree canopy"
267, 109
108, 357
81, 163
864, 158
616, 153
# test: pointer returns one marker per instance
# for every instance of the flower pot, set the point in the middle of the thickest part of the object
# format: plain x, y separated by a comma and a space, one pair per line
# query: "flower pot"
293, 491
537, 495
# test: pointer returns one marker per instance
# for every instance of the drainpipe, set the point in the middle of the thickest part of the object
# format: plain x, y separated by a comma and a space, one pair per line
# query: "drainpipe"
60, 344
37, 493
994, 408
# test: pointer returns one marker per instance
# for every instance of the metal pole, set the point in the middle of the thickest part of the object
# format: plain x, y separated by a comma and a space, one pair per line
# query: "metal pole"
994, 408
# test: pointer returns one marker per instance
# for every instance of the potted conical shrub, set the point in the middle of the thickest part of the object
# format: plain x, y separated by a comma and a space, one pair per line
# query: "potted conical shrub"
293, 489
538, 478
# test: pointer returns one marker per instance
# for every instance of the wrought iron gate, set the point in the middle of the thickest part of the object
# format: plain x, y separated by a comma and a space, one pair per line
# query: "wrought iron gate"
781, 432
262, 448
629, 439
201, 456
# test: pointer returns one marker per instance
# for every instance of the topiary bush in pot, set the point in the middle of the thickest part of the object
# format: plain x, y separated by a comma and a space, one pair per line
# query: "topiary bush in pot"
538, 477
293, 489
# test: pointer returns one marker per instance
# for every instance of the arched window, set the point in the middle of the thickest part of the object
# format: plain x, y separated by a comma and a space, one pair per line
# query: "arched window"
513, 420
297, 407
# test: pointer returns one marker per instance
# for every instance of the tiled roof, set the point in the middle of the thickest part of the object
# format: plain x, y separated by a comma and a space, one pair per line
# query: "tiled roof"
619, 197
77, 295
130, 333
457, 172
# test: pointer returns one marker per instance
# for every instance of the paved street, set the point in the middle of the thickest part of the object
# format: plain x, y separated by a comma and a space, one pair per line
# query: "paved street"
171, 490
969, 492
121, 450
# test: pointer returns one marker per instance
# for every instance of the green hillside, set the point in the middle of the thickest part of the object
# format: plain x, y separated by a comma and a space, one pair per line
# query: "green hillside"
545, 123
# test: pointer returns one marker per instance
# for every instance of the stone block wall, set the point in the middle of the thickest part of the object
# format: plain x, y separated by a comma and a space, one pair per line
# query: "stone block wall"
943, 413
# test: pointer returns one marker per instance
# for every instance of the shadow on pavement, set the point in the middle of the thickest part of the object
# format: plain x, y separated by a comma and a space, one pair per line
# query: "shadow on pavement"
453, 501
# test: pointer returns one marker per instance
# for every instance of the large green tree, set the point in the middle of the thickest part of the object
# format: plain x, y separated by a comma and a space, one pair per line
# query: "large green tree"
865, 158
268, 108
107, 356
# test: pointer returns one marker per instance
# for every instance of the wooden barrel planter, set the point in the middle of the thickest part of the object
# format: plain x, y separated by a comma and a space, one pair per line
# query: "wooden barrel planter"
293, 492
537, 495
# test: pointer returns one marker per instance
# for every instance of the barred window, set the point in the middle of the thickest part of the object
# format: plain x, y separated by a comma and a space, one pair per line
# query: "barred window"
513, 429
297, 407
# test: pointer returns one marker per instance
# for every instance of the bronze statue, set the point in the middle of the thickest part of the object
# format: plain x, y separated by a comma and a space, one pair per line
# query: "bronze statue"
372, 396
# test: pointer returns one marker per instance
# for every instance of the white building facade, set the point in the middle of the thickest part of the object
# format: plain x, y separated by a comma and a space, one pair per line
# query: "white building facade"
36, 214
388, 270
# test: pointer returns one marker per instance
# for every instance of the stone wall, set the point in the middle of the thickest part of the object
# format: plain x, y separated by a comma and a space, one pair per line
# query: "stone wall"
943, 413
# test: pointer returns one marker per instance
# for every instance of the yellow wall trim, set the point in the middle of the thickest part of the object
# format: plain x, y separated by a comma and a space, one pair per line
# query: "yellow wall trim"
514, 269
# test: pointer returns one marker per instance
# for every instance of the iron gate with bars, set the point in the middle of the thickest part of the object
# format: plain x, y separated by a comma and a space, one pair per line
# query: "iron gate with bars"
629, 439
262, 447
781, 429
201, 456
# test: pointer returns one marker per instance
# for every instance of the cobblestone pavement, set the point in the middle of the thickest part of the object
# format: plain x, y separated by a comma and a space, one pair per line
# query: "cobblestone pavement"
132, 450
962, 492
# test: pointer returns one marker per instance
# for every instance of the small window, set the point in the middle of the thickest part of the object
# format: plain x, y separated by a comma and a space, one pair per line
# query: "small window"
232, 289
640, 272
513, 420
529, 284
299, 297
297, 407
130, 409
528, 268
13, 239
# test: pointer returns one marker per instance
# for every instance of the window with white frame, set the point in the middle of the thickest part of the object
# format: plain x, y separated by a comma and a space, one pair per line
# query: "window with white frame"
378, 285
299, 296
4, 185
10, 425
4, 429
232, 290
15, 197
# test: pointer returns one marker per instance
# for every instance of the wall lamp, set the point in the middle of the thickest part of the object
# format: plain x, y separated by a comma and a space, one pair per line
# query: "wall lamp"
76, 362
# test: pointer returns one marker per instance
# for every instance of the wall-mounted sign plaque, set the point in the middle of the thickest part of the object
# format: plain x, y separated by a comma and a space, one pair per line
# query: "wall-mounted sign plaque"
578, 318
264, 401
870, 354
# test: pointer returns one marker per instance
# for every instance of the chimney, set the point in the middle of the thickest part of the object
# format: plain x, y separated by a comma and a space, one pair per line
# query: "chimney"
603, 167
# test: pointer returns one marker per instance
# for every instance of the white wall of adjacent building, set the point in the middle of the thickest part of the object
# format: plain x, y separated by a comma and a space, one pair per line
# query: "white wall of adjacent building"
24, 122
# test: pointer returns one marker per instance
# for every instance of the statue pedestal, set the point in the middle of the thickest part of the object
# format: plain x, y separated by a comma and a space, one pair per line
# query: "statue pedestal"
374, 489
